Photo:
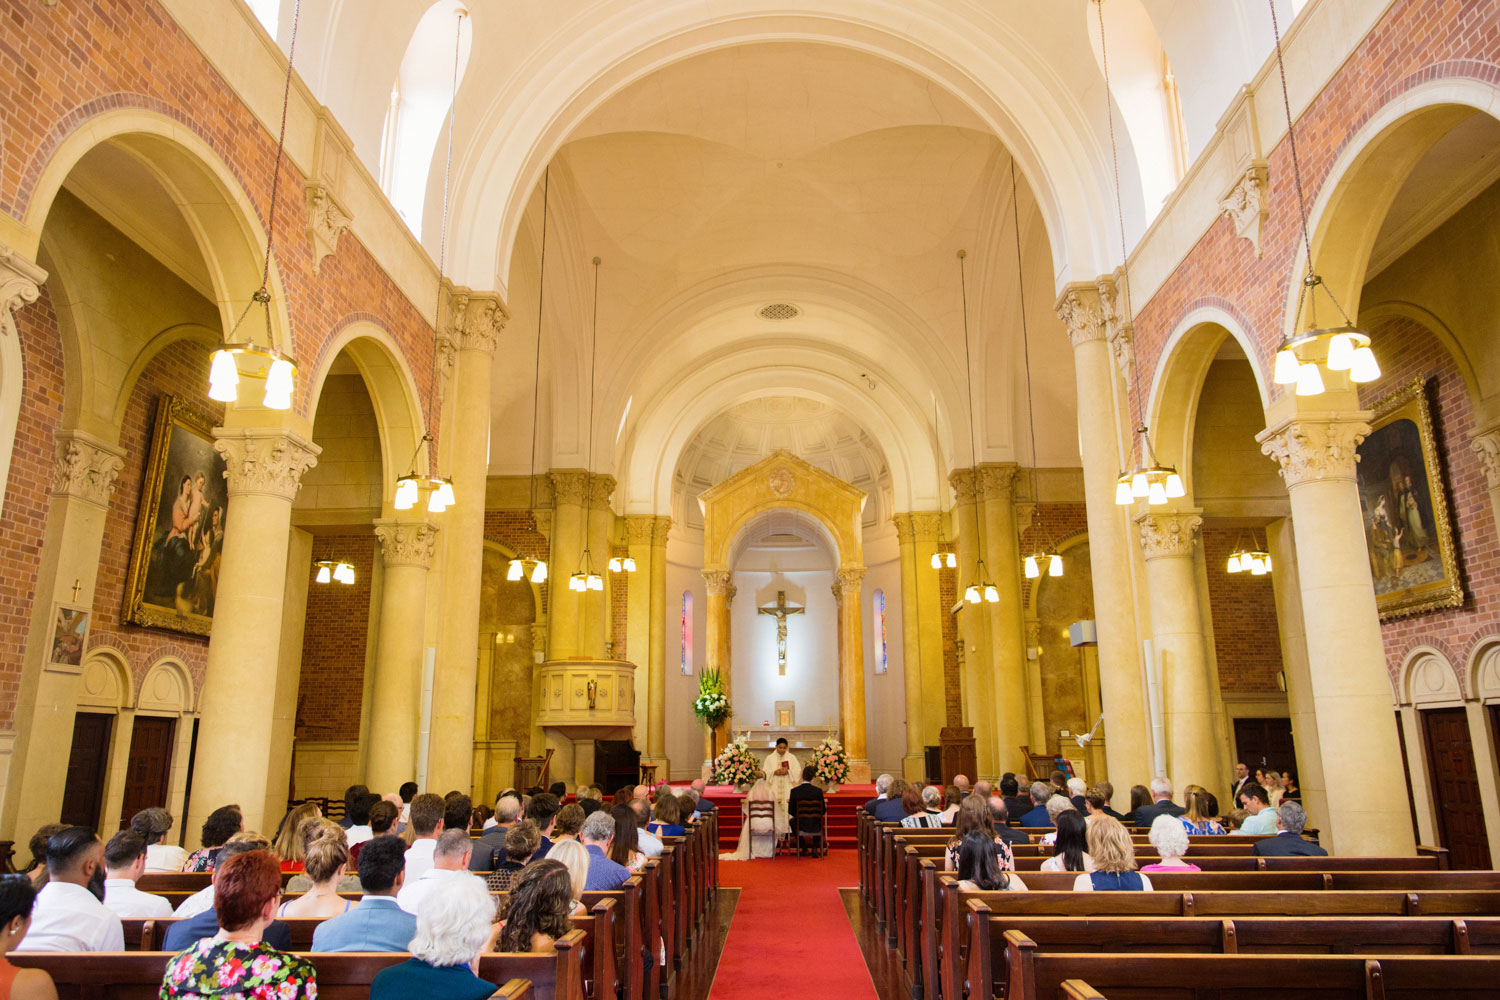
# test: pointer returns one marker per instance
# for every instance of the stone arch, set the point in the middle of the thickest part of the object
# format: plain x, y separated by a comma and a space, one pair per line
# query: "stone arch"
105, 682
781, 479
12, 380
166, 338
1372, 316
1484, 670
1427, 679
1033, 588
167, 688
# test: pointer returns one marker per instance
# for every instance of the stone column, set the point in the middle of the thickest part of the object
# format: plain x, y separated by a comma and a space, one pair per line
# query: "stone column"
913, 763
596, 604
640, 587
237, 708
1169, 539
852, 671
406, 548
1286, 588
1350, 688
1007, 628
1487, 446
1121, 683
976, 671
475, 323
84, 471
565, 607
717, 583
656, 709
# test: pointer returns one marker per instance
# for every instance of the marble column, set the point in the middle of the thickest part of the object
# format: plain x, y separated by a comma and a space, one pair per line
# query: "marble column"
264, 469
565, 606
639, 590
1007, 628
852, 670
977, 672
717, 584
921, 637
406, 547
1350, 687
596, 604
84, 470
474, 325
1169, 540
1121, 682
1286, 589
656, 709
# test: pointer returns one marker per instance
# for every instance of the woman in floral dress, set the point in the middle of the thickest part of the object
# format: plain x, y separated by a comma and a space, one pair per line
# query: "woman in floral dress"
236, 962
223, 823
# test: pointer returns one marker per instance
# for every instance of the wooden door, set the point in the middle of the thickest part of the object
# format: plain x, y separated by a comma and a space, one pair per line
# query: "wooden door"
1262, 743
148, 775
83, 792
1455, 787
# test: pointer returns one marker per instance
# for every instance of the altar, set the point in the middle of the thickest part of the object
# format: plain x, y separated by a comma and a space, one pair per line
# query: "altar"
762, 739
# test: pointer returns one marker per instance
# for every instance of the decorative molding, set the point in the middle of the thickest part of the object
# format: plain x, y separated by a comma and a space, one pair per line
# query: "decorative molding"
640, 529
730, 592
85, 468
663, 528
838, 596
926, 525
20, 285
1118, 329
965, 486
407, 543
475, 320
326, 222
850, 578
1169, 533
1247, 206
997, 480
1080, 312
782, 481
1486, 445
718, 581
1313, 449
569, 487
601, 488
264, 462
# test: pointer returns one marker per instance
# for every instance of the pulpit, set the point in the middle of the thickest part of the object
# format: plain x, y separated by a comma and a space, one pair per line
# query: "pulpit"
957, 746
532, 771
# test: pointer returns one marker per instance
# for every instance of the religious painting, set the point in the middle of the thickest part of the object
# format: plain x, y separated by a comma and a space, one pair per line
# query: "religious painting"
179, 532
1405, 509
70, 633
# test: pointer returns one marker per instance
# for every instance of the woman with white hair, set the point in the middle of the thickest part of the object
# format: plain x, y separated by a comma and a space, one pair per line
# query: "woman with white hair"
453, 928
1170, 839
931, 812
575, 857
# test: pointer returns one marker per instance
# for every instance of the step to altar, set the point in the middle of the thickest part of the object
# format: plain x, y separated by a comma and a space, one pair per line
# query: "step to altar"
843, 806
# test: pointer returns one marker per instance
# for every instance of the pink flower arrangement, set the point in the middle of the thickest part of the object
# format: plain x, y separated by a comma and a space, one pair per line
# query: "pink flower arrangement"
831, 761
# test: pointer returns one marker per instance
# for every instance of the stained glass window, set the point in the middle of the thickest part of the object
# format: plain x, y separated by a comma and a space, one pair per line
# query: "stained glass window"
881, 659
686, 624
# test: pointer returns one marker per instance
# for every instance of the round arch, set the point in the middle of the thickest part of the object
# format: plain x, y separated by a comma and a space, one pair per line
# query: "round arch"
167, 689
781, 481
1427, 679
105, 682
1484, 670
538, 605
166, 338
1396, 309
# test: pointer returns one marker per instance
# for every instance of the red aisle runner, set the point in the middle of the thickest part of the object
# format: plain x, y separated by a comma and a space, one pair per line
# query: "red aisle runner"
790, 936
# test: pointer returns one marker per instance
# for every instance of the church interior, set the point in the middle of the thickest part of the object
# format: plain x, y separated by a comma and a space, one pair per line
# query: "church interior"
428, 390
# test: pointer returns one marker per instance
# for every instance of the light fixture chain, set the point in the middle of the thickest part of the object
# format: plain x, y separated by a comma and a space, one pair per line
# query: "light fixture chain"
541, 299
963, 289
1114, 150
286, 98
1015, 214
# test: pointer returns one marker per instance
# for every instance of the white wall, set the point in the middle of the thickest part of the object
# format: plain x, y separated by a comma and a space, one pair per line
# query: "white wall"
812, 665
885, 694
684, 733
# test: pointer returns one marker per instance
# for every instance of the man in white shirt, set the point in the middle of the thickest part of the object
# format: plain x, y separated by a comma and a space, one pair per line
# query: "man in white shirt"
124, 863
153, 824
427, 821
450, 859
1262, 818
360, 813
650, 845
68, 915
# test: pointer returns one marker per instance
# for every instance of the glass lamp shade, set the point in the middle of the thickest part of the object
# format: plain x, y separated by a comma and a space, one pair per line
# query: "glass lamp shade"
1267, 560
951, 559
1156, 494
576, 582
539, 574
1032, 569
1309, 380
1175, 488
1140, 485
971, 595
325, 574
991, 594
406, 493
515, 571
223, 378
1234, 563
1055, 566
279, 385
347, 571
595, 582
1287, 367
630, 564
937, 561
1340, 352
1257, 567
615, 565
1123, 494
1363, 367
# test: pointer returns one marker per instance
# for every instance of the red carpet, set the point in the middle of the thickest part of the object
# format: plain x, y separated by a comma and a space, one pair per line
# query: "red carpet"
790, 936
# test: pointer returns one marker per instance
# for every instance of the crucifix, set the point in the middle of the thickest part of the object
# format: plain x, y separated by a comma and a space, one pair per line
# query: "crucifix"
780, 611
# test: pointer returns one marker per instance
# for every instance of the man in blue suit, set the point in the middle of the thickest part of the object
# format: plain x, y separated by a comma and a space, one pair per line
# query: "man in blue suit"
184, 933
1288, 842
377, 923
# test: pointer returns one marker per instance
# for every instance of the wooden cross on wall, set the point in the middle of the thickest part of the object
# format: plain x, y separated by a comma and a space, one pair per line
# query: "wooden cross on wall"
780, 611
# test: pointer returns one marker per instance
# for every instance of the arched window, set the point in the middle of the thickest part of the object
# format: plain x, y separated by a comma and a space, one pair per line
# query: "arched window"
420, 102
882, 657
686, 625
268, 13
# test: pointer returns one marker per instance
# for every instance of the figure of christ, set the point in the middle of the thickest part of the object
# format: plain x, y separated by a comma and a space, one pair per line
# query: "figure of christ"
780, 611
782, 772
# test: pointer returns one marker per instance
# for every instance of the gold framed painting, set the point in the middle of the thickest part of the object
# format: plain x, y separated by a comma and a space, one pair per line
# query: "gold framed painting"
1405, 509
70, 636
179, 529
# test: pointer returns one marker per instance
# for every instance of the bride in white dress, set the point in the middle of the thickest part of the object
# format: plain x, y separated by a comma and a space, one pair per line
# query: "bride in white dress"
757, 840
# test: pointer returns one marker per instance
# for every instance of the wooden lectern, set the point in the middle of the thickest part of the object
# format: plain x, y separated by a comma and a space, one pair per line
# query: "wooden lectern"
532, 771
956, 744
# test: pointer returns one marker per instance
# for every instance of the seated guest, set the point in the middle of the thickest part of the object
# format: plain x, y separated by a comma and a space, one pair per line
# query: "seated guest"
1108, 791
1076, 789
37, 870
911, 805
1069, 850
240, 960
590, 806
124, 864
161, 858
597, 836
1114, 859
1289, 788
290, 843
1140, 797
932, 808
979, 868
542, 811
961, 782
951, 798
377, 923
203, 899
458, 811
806, 792
1059, 781
983, 789
450, 860
536, 914
699, 790
489, 849
1161, 803
575, 858
882, 792
558, 790
1037, 817
453, 928
1094, 803
1273, 786
687, 809
324, 827
892, 809
1261, 818
223, 823
351, 795
1056, 806
326, 860
521, 842
1235, 819
424, 827
974, 815
68, 915
383, 816
1001, 821
17, 896
625, 848
1016, 804
569, 819
360, 830
648, 843
666, 818
1291, 820
205, 923
1199, 819
1170, 838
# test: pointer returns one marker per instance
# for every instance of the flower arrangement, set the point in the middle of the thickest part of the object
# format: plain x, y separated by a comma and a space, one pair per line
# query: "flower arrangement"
736, 765
831, 761
712, 704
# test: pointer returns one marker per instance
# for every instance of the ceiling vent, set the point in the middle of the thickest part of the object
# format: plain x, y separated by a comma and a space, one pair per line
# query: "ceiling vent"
777, 311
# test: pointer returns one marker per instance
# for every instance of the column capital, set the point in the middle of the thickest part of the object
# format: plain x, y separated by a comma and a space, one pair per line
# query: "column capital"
1314, 448
1169, 532
579, 487
264, 461
997, 480
1119, 329
965, 485
1486, 444
850, 578
1081, 312
407, 543
20, 284
838, 596
717, 581
663, 529
85, 467
474, 320
640, 529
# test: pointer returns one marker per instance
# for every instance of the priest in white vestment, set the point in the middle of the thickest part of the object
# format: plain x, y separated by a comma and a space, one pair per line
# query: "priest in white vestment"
782, 772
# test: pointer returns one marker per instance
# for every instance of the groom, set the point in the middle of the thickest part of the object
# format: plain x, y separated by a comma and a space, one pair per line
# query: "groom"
782, 771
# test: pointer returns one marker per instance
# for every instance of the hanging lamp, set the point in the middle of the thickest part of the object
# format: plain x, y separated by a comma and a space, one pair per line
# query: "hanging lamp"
1301, 358
237, 359
983, 588
585, 578
439, 489
948, 558
1253, 559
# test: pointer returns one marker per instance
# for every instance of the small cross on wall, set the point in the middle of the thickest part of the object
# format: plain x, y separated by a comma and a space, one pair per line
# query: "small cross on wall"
76, 588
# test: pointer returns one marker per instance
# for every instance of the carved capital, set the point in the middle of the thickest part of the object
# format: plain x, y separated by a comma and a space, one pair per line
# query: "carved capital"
640, 528
1313, 449
84, 467
718, 581
261, 462
326, 222
965, 485
407, 543
850, 578
926, 525
997, 481
569, 487
1169, 533
663, 529
730, 592
1246, 205
838, 596
1119, 329
601, 488
475, 320
1080, 311
1487, 447
20, 284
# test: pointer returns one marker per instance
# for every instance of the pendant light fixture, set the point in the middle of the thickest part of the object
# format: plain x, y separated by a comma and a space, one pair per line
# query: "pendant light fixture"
439, 489
982, 588
948, 558
1253, 559
585, 579
517, 568
1043, 557
237, 359
1149, 480
1341, 348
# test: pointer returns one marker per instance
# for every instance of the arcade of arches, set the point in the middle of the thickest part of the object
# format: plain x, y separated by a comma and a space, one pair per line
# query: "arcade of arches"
702, 312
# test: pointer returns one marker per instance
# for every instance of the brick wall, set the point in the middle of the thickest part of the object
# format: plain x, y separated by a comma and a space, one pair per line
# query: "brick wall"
331, 690
1247, 638
518, 531
953, 703
1054, 523
619, 605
